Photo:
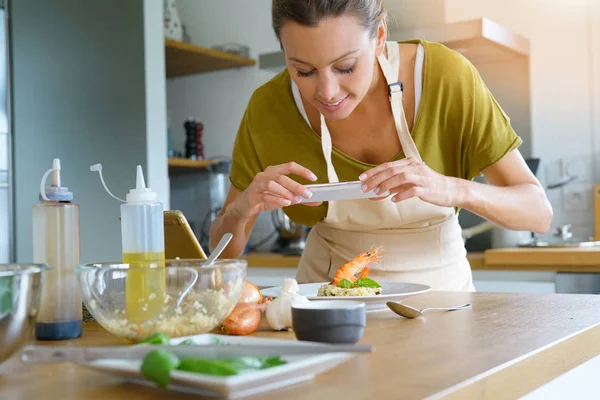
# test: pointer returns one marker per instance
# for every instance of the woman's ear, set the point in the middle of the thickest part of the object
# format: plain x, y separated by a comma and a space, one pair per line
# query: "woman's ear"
381, 37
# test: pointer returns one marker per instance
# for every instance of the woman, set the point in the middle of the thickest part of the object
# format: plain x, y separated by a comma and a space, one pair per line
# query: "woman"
339, 113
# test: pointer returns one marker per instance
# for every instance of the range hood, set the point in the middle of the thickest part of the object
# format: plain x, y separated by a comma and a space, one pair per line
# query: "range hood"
480, 40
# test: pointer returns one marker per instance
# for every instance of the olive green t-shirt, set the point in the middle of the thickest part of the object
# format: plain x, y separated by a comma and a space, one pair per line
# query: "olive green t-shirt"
460, 130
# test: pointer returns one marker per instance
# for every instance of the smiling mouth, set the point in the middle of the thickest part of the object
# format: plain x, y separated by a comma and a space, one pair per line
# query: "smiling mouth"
333, 104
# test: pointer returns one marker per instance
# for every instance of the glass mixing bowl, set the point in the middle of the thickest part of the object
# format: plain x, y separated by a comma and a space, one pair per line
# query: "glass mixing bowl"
174, 297
20, 290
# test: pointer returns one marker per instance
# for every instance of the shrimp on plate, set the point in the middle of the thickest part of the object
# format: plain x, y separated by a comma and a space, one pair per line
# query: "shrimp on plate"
353, 271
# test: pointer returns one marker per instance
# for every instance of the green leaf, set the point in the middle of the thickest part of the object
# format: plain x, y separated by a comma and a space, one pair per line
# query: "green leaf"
367, 282
157, 366
187, 342
157, 338
211, 367
345, 284
270, 362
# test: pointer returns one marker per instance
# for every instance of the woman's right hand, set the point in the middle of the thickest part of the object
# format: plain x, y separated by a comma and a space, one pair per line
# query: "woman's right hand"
273, 189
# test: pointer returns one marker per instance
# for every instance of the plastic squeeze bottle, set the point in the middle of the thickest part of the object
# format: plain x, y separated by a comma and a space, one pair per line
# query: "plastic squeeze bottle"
56, 243
143, 246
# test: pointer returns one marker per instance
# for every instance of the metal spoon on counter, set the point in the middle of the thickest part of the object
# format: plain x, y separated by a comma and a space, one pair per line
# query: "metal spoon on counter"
411, 312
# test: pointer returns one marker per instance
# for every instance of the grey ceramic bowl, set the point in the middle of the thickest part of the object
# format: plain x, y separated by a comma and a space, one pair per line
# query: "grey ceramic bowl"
330, 321
20, 288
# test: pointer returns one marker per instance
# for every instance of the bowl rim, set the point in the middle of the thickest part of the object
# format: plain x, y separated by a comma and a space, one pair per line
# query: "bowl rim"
330, 305
120, 265
13, 269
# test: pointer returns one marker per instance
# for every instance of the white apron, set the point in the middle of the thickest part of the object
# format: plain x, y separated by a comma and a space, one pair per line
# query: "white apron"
422, 241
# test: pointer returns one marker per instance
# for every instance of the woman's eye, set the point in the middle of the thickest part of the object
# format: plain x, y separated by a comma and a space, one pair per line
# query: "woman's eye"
347, 70
305, 74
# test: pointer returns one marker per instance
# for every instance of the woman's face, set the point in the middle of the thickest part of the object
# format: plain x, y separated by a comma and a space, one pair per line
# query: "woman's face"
333, 63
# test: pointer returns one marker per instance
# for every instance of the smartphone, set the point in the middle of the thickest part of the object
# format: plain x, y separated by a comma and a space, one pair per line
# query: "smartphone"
339, 191
180, 240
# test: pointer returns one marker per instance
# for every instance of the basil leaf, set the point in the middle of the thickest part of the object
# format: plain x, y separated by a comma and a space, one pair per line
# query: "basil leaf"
271, 362
157, 366
187, 342
345, 284
211, 367
157, 338
367, 282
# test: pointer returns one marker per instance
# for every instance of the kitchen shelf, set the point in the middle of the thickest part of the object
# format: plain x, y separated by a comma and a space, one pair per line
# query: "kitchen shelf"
187, 163
186, 59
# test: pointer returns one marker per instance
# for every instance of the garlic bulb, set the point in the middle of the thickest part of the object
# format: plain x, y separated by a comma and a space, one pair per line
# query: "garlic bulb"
279, 311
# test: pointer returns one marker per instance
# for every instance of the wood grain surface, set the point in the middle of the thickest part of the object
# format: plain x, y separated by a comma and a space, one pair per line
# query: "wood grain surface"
506, 346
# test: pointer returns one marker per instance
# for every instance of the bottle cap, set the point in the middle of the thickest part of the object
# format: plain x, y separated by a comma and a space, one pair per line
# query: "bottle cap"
140, 193
54, 192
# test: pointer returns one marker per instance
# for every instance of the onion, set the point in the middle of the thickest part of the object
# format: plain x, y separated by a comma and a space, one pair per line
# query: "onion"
250, 294
243, 320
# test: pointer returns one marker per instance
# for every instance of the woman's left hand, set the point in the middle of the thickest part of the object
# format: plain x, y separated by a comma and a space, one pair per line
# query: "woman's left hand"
408, 178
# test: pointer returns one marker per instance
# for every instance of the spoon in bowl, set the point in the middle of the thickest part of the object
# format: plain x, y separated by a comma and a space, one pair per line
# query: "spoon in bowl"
209, 261
411, 312
218, 250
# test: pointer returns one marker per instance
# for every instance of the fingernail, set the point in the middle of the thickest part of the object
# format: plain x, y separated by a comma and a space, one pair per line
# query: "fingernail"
364, 188
377, 190
313, 177
362, 177
297, 199
287, 202
308, 194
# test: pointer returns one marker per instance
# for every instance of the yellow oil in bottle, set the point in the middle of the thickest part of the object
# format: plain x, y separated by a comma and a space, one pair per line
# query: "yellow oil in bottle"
145, 287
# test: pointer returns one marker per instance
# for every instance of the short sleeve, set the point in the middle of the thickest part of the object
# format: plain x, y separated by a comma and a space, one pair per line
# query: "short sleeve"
491, 136
245, 164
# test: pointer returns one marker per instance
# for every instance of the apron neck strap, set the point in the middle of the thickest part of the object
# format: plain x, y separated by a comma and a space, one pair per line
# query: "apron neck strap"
327, 150
391, 67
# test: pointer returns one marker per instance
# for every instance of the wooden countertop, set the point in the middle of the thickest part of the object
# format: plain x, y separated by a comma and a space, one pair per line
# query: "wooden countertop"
506, 346
512, 259
275, 260
580, 259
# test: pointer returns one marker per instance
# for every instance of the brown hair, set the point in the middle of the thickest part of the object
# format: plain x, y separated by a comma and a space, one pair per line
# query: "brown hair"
311, 12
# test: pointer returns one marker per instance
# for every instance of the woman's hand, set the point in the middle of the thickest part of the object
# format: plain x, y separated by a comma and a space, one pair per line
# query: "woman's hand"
408, 178
273, 189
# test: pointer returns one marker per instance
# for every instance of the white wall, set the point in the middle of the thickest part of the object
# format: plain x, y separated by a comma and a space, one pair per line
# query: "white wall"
595, 87
80, 94
218, 99
157, 174
561, 96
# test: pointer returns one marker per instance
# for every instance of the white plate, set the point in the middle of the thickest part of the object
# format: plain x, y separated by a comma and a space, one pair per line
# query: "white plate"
298, 369
389, 291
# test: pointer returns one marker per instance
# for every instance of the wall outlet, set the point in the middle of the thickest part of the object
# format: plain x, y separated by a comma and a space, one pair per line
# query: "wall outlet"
581, 167
578, 196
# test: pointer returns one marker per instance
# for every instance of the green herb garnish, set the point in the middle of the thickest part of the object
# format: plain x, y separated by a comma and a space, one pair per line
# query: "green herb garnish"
227, 367
363, 282
187, 342
345, 284
157, 366
157, 338
367, 282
